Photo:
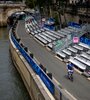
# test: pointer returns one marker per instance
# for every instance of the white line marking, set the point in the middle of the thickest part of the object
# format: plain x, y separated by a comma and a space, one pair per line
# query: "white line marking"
78, 71
65, 89
57, 82
58, 58
48, 49
70, 95
88, 78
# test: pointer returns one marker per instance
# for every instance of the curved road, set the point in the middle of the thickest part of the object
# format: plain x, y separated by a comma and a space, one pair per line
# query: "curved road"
80, 88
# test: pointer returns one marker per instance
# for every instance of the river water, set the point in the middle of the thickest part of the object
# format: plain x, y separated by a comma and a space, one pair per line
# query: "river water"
11, 84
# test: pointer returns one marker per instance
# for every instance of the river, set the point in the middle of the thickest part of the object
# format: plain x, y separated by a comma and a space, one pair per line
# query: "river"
11, 84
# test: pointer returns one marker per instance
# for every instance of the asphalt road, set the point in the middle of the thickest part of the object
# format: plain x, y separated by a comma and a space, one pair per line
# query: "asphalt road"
80, 88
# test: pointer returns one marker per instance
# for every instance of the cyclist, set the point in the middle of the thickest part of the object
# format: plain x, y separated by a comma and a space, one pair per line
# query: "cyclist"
70, 69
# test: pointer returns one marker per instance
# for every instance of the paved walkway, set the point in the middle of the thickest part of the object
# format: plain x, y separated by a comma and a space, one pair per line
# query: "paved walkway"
80, 88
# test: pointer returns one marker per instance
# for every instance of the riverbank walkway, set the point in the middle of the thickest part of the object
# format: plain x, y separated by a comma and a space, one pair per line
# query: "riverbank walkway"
80, 88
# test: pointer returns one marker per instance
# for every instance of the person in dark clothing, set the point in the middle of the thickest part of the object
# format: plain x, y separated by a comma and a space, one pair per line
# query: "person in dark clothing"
70, 68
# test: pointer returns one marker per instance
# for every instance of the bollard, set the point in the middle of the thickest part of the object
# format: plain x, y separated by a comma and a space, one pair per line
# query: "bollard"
31, 54
42, 67
50, 75
26, 49
14, 35
18, 40
22, 45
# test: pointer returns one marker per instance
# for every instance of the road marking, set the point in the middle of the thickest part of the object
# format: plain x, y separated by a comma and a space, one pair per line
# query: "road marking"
58, 58
88, 78
77, 71
57, 82
70, 95
38, 41
64, 89
48, 49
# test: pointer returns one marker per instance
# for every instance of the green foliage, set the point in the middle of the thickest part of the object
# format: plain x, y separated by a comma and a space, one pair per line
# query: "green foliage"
31, 3
56, 19
16, 0
40, 3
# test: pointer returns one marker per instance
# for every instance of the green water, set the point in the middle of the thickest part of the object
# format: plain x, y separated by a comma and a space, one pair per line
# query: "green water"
11, 84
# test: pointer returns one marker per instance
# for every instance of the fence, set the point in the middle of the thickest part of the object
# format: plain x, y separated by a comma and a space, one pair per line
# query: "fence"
49, 84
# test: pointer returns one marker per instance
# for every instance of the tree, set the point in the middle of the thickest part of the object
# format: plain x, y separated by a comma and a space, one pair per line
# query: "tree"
60, 8
40, 3
31, 3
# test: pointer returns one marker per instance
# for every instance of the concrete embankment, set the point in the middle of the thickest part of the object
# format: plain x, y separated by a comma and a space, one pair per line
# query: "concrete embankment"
33, 83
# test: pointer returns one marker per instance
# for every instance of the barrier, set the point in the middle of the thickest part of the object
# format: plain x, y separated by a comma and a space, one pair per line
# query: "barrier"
73, 24
85, 40
35, 67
